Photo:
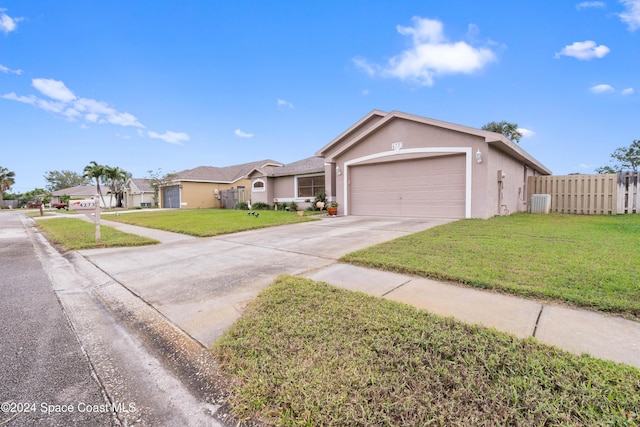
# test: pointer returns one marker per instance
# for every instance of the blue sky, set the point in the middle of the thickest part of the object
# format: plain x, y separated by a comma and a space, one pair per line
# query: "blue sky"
178, 84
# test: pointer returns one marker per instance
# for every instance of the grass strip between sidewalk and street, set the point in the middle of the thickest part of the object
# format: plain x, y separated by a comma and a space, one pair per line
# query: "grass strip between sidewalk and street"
584, 260
306, 353
209, 222
74, 234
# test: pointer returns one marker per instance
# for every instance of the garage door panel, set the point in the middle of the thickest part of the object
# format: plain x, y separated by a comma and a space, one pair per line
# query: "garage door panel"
433, 187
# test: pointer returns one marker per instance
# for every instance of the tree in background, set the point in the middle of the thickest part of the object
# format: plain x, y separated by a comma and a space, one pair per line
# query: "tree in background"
33, 195
95, 171
623, 158
510, 130
7, 179
158, 179
58, 180
116, 178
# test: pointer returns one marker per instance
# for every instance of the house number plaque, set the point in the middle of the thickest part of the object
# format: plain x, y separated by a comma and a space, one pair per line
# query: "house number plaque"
396, 146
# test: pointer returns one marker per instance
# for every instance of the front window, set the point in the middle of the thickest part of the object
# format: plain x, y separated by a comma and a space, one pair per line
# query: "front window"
258, 185
309, 186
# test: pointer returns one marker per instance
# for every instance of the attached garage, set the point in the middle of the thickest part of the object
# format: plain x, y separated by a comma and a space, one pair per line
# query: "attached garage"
432, 187
398, 164
171, 197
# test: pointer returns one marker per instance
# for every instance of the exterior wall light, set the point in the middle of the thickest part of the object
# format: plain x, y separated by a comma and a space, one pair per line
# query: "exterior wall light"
479, 156
338, 171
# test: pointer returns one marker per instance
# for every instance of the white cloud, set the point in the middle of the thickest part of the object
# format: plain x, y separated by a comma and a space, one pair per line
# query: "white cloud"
242, 134
363, 64
431, 55
628, 91
585, 50
171, 137
589, 4
53, 89
602, 88
526, 133
584, 166
7, 23
283, 103
8, 70
66, 104
631, 15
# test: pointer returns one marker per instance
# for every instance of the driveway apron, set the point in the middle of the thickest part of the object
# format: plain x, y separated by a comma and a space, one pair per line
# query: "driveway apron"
202, 285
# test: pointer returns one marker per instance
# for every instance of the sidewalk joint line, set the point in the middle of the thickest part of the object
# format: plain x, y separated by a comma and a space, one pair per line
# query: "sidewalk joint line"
535, 328
397, 287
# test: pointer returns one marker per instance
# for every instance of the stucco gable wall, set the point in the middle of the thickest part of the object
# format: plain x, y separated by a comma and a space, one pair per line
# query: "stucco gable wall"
411, 135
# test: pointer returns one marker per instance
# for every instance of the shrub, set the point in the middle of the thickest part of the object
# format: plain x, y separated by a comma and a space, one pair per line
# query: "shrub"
243, 206
260, 206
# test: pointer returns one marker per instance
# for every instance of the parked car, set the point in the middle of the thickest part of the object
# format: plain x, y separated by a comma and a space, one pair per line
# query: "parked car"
62, 205
33, 203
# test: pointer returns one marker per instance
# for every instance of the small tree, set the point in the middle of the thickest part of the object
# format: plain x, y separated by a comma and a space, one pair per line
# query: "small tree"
510, 130
157, 179
623, 158
7, 179
58, 180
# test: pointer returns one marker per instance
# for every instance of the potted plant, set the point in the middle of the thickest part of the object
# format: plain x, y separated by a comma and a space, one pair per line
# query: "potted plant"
332, 209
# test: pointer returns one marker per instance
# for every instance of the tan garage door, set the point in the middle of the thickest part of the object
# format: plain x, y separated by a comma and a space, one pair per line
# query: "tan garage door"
427, 188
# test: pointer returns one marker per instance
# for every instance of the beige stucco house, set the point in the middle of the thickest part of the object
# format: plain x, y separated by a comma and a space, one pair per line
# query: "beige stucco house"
398, 164
206, 186
138, 192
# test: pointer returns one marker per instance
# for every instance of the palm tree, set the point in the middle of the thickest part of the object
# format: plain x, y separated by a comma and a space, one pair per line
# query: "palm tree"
95, 171
6, 181
116, 178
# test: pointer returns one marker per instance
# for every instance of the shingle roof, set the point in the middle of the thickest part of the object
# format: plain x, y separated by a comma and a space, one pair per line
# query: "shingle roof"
308, 165
222, 174
80, 190
143, 184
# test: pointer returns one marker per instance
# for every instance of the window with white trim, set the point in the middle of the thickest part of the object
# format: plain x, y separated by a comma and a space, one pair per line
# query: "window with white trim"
258, 185
310, 186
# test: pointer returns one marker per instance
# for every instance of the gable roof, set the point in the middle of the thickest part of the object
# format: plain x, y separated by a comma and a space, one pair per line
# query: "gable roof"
226, 174
377, 119
142, 184
309, 165
80, 190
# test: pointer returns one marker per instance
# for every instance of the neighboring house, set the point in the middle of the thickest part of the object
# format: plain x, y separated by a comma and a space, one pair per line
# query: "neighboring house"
211, 187
398, 164
138, 192
84, 192
298, 182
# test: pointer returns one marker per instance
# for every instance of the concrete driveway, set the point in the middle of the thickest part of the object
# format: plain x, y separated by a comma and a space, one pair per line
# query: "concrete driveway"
202, 285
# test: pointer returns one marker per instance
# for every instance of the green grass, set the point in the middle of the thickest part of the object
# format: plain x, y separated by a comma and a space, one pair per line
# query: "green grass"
308, 354
587, 261
208, 222
71, 233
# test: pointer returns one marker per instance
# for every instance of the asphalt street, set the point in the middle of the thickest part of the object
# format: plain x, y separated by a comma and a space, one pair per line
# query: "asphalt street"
45, 377
70, 354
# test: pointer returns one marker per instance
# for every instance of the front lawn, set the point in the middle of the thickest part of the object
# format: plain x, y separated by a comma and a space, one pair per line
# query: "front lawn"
209, 222
72, 233
309, 354
588, 261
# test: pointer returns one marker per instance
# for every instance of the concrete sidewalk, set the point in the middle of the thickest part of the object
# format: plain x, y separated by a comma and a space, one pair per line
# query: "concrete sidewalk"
577, 331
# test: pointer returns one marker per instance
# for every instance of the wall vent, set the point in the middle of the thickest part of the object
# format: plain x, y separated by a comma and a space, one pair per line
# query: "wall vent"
540, 203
